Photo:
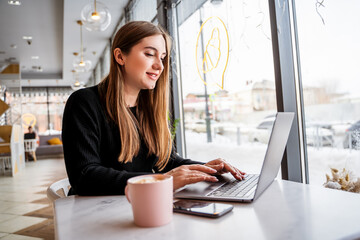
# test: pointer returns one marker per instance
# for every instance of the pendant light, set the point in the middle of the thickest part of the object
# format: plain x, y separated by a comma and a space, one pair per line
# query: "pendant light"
76, 84
79, 64
96, 16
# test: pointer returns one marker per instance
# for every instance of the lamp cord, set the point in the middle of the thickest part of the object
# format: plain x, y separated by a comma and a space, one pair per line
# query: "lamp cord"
81, 44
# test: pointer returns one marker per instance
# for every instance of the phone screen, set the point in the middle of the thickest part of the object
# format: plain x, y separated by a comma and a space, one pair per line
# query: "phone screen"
202, 208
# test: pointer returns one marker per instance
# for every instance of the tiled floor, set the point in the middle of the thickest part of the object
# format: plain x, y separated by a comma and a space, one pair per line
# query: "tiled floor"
25, 213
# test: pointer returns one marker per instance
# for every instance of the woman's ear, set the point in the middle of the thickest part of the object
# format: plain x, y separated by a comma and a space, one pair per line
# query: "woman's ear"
119, 56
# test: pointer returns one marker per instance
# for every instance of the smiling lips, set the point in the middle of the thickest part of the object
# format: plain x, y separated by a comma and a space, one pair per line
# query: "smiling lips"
153, 76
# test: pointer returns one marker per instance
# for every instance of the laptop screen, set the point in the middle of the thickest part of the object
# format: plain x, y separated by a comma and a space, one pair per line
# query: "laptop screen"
275, 150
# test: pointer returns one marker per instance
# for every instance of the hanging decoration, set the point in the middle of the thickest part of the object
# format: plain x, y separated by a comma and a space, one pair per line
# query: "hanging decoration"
79, 64
96, 16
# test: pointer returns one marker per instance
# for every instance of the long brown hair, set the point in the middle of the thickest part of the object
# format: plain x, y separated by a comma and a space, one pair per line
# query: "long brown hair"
152, 105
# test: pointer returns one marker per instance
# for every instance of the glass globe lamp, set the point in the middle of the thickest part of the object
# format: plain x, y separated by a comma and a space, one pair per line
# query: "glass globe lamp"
77, 85
80, 65
96, 16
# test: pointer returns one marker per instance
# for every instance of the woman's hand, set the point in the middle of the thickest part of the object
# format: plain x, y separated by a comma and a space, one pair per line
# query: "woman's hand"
188, 174
221, 166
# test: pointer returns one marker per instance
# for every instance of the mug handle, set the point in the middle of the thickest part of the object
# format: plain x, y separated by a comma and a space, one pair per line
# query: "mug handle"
127, 193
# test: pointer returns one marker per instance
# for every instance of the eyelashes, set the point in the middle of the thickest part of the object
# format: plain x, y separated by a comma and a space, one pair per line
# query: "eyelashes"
152, 55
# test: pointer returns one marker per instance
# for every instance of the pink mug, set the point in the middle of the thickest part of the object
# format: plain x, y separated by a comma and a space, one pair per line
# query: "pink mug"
151, 198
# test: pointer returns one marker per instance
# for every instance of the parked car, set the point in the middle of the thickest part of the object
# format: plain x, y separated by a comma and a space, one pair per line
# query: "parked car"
352, 135
319, 136
200, 126
262, 132
316, 134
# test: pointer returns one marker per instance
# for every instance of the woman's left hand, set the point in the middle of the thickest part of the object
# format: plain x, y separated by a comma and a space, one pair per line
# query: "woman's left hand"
221, 166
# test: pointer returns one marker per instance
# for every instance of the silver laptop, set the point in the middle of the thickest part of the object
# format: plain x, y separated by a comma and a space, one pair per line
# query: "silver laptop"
249, 189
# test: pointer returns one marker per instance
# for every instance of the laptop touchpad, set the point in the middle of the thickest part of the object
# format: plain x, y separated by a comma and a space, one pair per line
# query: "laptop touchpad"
204, 187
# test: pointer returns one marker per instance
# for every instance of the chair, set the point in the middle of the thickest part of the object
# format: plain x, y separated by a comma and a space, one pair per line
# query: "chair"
5, 162
52, 191
30, 147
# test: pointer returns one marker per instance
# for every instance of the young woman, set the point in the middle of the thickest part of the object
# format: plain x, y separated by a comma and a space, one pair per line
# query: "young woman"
119, 129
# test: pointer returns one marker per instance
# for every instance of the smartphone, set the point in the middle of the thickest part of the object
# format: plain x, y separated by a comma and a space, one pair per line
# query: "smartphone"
205, 209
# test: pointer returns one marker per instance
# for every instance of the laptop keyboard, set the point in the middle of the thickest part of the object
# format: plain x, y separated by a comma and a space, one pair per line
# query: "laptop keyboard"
236, 188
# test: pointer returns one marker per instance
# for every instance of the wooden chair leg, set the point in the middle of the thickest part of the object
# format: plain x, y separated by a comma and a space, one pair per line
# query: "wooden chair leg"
34, 156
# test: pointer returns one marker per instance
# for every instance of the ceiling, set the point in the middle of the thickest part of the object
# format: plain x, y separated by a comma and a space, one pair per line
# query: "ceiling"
55, 36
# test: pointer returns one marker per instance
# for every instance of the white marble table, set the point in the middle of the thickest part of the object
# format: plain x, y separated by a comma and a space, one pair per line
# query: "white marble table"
286, 210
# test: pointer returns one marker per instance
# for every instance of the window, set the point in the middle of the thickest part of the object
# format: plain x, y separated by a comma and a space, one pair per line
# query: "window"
43, 109
329, 47
222, 116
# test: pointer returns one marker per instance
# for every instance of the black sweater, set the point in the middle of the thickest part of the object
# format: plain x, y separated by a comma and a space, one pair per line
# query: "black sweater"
92, 145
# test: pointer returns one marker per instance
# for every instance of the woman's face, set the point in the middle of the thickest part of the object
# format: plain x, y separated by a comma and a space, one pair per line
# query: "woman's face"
143, 65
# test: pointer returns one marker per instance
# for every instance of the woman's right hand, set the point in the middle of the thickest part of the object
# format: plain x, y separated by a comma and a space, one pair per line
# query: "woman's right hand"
187, 174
